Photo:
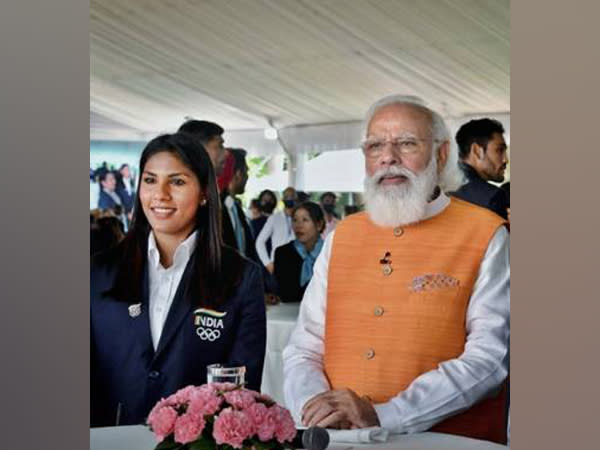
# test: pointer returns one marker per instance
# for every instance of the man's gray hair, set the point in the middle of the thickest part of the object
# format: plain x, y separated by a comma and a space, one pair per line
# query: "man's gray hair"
452, 177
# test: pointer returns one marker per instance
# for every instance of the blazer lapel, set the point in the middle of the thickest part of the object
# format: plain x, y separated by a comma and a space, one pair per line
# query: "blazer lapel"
180, 309
142, 322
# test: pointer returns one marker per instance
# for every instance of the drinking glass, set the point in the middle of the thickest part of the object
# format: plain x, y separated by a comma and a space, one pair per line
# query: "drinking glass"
223, 373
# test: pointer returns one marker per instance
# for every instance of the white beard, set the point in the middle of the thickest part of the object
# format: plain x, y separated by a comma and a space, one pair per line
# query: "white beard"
395, 205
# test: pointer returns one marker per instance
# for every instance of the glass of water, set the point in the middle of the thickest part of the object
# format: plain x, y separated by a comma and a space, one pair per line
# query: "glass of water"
223, 373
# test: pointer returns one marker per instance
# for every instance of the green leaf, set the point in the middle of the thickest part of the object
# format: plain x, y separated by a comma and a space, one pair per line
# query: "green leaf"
203, 444
168, 444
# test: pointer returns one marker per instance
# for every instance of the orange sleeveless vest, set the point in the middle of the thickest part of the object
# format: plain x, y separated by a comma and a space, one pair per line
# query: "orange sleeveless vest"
383, 329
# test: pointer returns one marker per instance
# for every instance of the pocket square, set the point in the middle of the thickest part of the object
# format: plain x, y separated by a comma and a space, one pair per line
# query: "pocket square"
433, 281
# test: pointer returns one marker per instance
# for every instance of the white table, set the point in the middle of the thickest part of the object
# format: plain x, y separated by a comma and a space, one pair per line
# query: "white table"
138, 437
281, 320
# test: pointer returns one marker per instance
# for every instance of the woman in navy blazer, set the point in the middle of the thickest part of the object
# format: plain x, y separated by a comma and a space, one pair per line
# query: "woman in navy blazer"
217, 314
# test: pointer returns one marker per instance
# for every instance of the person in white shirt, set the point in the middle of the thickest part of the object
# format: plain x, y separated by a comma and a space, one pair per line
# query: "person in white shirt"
171, 298
405, 323
278, 227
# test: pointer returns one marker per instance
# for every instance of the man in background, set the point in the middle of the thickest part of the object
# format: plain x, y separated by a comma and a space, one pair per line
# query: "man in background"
483, 158
236, 229
209, 134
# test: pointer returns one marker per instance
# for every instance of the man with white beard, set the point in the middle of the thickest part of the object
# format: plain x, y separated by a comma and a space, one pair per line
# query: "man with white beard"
405, 323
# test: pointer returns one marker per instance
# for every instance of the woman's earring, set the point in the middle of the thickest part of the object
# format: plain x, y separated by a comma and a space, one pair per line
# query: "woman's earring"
203, 202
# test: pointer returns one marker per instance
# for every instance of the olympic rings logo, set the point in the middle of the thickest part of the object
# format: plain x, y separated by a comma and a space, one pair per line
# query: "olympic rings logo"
208, 334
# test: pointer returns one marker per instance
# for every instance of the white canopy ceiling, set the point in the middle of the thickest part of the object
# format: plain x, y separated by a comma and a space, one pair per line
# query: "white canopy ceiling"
311, 66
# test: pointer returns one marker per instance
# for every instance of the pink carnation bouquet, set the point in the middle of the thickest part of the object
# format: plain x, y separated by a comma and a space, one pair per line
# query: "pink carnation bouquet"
220, 416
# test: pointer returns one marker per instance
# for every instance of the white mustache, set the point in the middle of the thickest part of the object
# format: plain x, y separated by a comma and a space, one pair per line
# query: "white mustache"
393, 171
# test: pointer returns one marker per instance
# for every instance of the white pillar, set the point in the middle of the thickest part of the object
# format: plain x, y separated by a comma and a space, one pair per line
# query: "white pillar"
297, 169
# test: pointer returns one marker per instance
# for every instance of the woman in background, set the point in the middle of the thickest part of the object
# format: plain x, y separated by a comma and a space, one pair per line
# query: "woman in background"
171, 299
294, 261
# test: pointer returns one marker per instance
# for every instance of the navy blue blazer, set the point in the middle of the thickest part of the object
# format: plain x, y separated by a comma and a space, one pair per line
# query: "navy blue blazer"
128, 377
288, 268
105, 201
480, 192
126, 199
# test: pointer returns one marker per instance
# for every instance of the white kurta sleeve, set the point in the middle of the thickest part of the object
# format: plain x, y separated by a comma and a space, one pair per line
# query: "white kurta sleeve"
459, 383
261, 240
304, 375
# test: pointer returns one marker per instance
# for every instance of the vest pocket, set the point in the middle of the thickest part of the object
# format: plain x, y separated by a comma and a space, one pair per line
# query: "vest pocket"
438, 317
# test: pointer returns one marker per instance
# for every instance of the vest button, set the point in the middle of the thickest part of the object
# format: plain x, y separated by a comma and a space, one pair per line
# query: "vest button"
387, 270
378, 311
369, 354
398, 231
154, 374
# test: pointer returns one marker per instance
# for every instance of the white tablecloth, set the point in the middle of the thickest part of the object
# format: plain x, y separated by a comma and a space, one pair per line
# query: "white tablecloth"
138, 437
281, 319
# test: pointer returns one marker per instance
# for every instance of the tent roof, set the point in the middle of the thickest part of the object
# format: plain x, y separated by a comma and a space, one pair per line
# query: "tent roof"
296, 62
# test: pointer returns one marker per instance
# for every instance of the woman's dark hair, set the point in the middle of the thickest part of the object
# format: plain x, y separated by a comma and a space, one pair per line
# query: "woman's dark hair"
210, 284
328, 194
302, 196
267, 192
314, 211
267, 208
102, 176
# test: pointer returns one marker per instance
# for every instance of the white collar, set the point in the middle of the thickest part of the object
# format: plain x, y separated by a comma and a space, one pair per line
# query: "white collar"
436, 206
229, 202
182, 252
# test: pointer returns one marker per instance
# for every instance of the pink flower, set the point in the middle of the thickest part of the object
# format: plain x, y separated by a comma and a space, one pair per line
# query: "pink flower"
204, 401
264, 420
224, 387
183, 395
240, 398
162, 421
232, 427
286, 430
188, 427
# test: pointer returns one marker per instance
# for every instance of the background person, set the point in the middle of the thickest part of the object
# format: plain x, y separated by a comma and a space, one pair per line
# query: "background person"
267, 202
328, 200
483, 158
294, 261
210, 135
126, 189
171, 299
236, 228
108, 198
278, 228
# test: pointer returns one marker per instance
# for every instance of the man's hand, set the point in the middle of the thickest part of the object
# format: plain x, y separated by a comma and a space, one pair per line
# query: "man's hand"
340, 408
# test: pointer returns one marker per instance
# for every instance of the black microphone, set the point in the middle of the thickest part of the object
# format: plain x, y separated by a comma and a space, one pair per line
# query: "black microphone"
313, 438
